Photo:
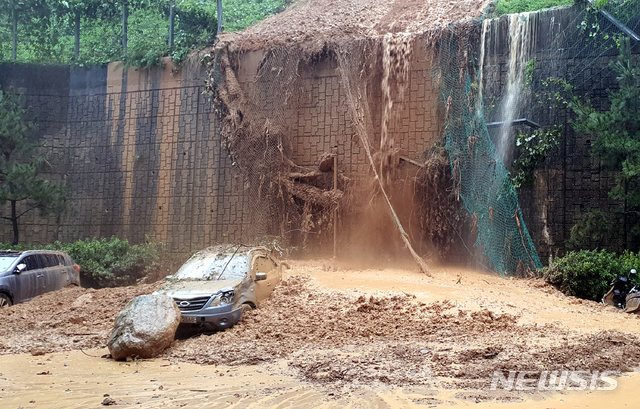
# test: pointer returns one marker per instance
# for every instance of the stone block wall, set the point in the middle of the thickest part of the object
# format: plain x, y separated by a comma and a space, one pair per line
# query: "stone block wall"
569, 183
141, 154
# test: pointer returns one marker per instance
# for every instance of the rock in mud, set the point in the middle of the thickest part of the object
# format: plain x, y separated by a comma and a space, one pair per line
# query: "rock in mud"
144, 328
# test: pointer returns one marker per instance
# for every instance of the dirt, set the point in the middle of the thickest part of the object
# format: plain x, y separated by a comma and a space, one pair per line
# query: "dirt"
354, 337
72, 318
318, 21
332, 332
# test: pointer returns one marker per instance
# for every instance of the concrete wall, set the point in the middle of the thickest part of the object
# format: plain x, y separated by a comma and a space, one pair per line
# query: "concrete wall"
138, 150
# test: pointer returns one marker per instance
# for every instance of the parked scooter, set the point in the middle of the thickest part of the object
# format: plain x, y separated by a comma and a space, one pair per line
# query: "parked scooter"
623, 294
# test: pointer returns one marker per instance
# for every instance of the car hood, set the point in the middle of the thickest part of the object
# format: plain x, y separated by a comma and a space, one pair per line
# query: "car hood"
186, 289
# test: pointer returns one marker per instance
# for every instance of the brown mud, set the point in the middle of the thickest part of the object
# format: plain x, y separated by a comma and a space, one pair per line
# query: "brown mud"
319, 21
331, 336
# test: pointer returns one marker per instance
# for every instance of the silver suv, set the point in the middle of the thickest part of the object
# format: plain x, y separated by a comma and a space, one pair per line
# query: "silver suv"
217, 285
27, 274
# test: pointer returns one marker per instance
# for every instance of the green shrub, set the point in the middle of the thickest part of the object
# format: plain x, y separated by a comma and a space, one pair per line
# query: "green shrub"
519, 6
588, 273
107, 263
112, 262
593, 230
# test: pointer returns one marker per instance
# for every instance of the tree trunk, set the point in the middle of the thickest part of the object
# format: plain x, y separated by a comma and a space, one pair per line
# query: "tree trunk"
76, 50
172, 20
14, 36
125, 25
14, 222
219, 17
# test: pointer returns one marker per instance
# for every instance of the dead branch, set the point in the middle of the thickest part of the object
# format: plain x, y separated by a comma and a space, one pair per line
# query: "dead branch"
312, 194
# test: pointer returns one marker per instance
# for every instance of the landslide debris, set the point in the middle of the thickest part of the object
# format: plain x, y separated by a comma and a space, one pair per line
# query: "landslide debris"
71, 318
318, 21
331, 336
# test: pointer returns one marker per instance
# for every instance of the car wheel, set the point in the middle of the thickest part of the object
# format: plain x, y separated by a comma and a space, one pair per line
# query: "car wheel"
5, 301
246, 308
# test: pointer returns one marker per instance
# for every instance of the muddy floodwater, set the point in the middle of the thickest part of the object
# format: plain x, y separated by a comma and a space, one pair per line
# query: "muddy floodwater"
331, 335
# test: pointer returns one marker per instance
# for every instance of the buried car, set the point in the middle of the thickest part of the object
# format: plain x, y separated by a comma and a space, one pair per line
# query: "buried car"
27, 274
219, 284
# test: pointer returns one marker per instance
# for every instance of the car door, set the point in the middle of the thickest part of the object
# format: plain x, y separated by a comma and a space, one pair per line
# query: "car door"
56, 275
264, 264
30, 281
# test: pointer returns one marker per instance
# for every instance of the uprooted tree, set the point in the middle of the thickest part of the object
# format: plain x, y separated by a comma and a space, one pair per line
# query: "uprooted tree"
22, 186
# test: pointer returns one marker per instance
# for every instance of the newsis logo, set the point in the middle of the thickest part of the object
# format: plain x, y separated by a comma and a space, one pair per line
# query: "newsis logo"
554, 380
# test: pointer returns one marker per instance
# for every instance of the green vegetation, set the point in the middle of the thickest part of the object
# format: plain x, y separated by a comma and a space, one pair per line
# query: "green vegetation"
112, 262
520, 6
22, 187
616, 144
532, 150
108, 263
588, 273
90, 32
594, 230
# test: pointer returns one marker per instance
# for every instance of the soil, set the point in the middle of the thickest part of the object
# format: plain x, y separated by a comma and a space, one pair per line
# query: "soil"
318, 21
331, 332
72, 318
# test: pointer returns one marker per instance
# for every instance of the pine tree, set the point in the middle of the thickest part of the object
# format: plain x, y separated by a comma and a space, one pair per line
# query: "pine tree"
22, 188
617, 135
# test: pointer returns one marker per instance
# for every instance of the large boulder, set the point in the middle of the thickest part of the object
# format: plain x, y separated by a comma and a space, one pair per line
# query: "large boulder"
145, 327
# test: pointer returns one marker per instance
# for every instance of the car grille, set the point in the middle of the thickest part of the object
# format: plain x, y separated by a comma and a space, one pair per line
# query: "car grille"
191, 304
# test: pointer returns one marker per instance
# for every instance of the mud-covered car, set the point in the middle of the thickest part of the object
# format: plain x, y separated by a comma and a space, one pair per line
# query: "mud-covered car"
217, 285
27, 274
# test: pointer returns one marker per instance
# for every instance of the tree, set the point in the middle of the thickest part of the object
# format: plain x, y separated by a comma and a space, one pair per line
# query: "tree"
21, 184
19, 10
617, 135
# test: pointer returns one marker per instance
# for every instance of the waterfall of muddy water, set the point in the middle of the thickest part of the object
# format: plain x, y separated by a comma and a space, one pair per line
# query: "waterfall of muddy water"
396, 64
479, 102
521, 29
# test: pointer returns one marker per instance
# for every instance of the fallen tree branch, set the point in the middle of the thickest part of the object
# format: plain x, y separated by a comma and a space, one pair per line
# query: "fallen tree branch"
311, 194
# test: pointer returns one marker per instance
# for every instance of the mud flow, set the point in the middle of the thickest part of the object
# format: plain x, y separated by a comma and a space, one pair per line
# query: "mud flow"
330, 335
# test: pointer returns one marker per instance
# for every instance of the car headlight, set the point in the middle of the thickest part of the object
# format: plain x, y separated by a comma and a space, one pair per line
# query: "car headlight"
226, 297
222, 298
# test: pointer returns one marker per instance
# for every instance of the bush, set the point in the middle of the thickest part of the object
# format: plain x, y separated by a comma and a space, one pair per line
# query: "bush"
107, 263
519, 6
588, 273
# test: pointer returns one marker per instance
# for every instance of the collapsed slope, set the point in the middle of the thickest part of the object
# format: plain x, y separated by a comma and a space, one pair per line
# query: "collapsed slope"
317, 21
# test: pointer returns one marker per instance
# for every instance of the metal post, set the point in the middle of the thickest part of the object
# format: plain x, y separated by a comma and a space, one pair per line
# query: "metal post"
14, 36
335, 210
172, 18
219, 17
76, 46
125, 24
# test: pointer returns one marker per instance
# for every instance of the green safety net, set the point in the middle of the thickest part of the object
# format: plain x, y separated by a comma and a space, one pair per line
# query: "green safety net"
480, 179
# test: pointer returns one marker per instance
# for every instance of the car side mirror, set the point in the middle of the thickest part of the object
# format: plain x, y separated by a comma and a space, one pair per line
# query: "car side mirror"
261, 276
20, 268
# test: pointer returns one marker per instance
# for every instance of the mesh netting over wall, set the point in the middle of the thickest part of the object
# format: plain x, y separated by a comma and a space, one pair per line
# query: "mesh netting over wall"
479, 175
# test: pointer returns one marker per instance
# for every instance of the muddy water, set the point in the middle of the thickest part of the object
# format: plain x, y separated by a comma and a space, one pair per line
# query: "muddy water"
82, 379
533, 301
77, 380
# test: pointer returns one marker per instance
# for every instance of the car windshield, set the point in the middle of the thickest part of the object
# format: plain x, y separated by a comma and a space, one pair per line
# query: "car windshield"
212, 267
6, 261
